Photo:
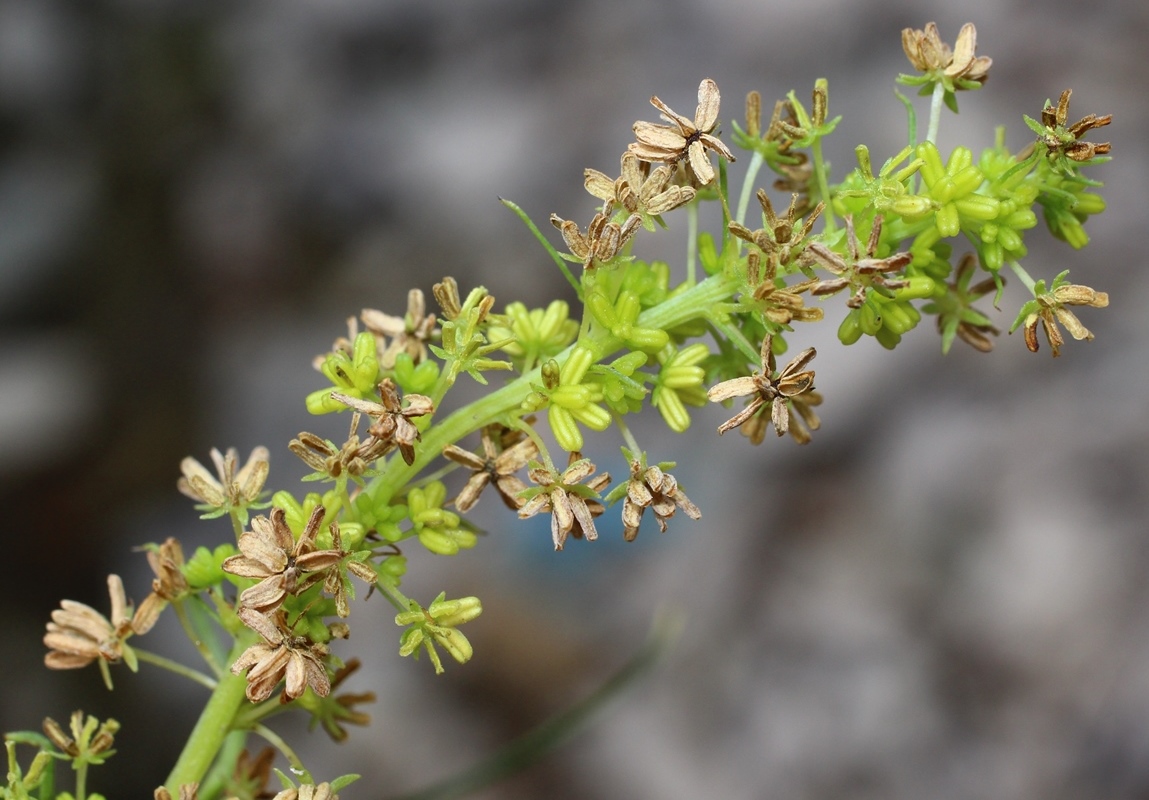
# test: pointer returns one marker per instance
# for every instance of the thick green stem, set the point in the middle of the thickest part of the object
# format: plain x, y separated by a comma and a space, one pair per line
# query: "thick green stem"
176, 667
212, 728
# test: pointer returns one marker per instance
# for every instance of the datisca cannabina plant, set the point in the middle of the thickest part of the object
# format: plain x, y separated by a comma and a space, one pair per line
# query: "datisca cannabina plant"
925, 234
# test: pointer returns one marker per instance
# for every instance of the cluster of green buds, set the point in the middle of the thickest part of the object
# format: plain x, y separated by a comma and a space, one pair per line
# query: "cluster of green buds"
928, 234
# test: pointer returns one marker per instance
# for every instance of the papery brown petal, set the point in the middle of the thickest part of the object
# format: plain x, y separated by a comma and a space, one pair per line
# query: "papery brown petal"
963, 53
684, 125
780, 415
598, 184
70, 644
742, 416
266, 595
706, 115
657, 137
735, 387
57, 659
584, 517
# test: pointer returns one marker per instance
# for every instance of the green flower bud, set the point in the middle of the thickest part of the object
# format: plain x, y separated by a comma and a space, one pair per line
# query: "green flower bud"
869, 318
919, 286
887, 338
1089, 204
565, 429
455, 612
850, 330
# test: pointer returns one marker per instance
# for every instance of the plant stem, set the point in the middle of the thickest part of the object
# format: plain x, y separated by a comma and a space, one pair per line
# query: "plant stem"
1022, 275
691, 241
279, 744
213, 726
176, 667
935, 112
756, 162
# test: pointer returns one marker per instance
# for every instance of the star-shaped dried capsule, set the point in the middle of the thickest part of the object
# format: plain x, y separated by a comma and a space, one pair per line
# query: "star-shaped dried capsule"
639, 190
495, 465
782, 236
572, 504
392, 416
283, 565
780, 305
79, 635
1049, 308
856, 273
928, 53
792, 386
603, 239
232, 488
280, 656
353, 457
409, 333
650, 487
166, 561
684, 140
1064, 142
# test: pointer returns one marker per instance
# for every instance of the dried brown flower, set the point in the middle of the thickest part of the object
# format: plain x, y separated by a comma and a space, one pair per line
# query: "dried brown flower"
780, 305
78, 634
250, 777
928, 53
409, 333
284, 566
337, 584
792, 386
782, 237
353, 457
857, 274
167, 563
234, 488
495, 465
88, 737
280, 656
1066, 141
308, 791
392, 416
639, 190
188, 791
1051, 310
684, 140
571, 503
650, 487
603, 239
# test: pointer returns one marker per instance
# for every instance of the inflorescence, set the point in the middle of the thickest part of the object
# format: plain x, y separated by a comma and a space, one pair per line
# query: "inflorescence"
928, 233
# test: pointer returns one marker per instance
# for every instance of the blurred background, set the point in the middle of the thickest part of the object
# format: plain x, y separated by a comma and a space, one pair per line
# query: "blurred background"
942, 596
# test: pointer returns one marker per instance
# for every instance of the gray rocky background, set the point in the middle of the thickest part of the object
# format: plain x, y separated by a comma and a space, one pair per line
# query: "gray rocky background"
942, 596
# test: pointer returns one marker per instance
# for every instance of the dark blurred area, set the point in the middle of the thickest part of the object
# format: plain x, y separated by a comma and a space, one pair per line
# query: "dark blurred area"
941, 596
